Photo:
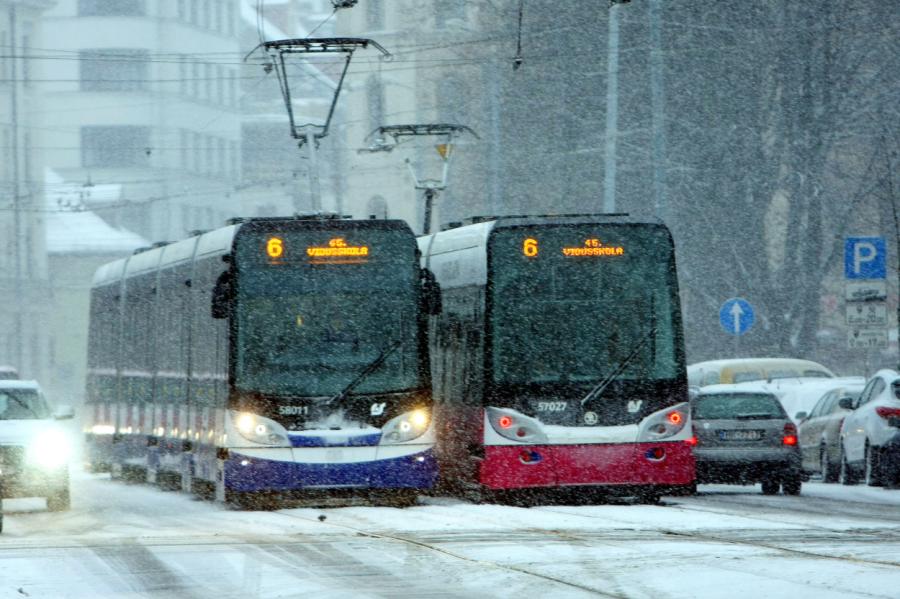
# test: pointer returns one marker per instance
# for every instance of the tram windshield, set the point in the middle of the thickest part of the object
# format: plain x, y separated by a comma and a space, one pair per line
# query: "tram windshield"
323, 308
571, 304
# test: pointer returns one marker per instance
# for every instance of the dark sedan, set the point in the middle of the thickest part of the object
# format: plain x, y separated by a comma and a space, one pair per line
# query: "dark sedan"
745, 437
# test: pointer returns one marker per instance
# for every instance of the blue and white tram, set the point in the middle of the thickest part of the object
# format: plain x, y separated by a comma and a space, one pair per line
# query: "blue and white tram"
275, 355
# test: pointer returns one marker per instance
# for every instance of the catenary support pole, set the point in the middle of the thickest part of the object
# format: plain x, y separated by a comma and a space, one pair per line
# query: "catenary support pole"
612, 110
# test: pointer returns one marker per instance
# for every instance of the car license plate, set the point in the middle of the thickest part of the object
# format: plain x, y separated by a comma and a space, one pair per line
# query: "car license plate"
740, 435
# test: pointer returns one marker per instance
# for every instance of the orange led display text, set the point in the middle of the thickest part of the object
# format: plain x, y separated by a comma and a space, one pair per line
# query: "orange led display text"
338, 248
275, 247
530, 247
594, 247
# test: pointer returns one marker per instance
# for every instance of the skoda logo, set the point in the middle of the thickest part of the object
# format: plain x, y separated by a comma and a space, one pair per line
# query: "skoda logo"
590, 418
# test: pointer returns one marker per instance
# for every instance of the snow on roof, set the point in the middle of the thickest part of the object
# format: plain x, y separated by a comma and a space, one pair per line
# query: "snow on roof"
72, 229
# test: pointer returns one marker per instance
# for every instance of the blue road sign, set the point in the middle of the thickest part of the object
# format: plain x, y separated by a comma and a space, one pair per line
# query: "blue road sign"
865, 258
736, 316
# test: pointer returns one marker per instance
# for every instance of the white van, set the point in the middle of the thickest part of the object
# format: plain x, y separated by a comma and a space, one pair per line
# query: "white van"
35, 449
742, 370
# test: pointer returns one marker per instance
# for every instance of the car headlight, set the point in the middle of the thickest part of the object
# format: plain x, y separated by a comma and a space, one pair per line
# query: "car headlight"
50, 449
405, 427
258, 429
664, 423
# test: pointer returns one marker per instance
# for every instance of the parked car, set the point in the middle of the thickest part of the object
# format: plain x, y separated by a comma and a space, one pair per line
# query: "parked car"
740, 370
819, 431
870, 435
745, 437
799, 395
8, 372
34, 448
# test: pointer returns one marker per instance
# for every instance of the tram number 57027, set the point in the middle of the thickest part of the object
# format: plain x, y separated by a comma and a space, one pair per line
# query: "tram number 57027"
552, 406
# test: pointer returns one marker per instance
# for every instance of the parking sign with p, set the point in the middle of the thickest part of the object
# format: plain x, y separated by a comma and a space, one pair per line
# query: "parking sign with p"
865, 258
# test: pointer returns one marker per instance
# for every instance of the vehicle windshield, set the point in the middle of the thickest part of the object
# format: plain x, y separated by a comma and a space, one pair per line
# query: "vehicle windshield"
750, 406
309, 327
23, 404
570, 303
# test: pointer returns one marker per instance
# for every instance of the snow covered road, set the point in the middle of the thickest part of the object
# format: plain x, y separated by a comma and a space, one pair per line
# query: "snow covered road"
136, 541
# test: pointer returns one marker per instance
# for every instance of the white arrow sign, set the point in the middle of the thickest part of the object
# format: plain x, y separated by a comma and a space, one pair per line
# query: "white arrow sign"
736, 313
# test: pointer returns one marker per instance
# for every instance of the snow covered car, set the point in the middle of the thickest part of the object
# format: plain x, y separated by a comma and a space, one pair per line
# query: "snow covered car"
745, 437
34, 448
740, 370
820, 431
870, 435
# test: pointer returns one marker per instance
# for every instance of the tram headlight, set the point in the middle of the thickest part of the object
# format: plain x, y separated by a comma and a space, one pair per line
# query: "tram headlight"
516, 426
664, 423
406, 427
49, 450
258, 429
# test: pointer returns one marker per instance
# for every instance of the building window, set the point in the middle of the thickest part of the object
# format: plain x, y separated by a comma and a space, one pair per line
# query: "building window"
115, 146
183, 154
220, 155
183, 70
111, 8
220, 85
375, 98
209, 73
26, 48
195, 79
375, 15
113, 70
229, 17
5, 61
446, 11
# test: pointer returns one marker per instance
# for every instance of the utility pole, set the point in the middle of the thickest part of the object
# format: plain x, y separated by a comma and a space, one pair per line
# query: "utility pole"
398, 133
612, 108
18, 235
657, 98
309, 134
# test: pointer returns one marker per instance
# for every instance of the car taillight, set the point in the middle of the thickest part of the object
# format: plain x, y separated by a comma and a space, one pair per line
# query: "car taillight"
887, 413
789, 436
694, 440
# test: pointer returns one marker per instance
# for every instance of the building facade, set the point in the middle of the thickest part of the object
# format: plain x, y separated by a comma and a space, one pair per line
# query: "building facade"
146, 95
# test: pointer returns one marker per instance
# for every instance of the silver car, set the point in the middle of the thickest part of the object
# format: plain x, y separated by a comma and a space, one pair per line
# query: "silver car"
745, 437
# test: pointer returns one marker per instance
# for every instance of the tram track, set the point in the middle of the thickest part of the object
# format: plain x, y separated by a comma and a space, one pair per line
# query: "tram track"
796, 535
446, 552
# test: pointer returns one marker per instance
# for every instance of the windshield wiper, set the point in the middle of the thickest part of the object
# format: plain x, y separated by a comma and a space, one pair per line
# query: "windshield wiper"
372, 367
604, 383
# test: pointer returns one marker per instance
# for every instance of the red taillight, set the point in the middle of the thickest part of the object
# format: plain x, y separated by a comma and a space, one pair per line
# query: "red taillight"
675, 418
505, 422
886, 412
790, 434
692, 441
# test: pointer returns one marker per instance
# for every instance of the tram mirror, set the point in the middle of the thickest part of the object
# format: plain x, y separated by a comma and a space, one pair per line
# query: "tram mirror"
431, 293
222, 296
